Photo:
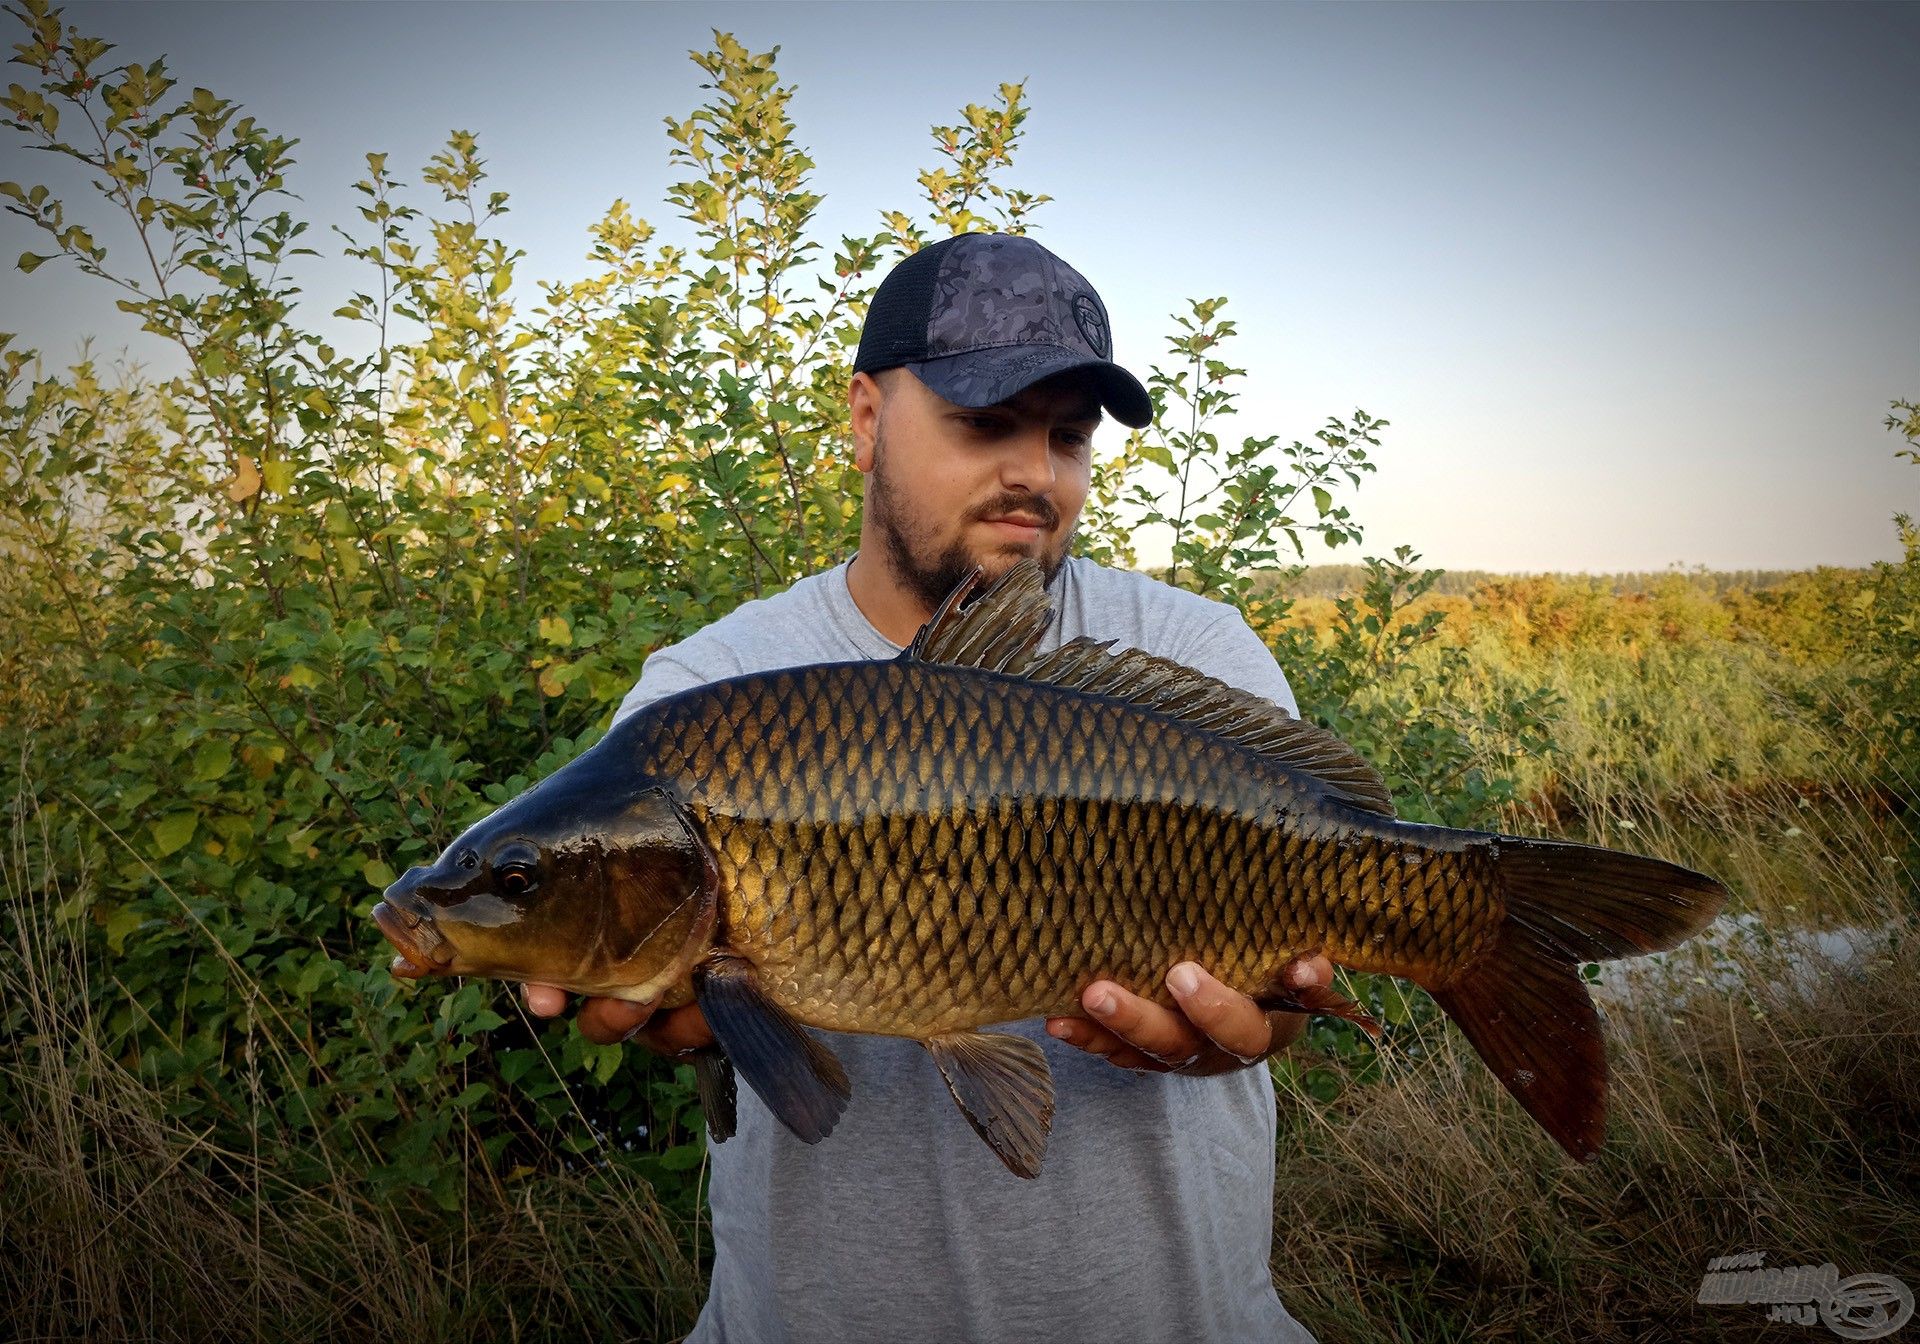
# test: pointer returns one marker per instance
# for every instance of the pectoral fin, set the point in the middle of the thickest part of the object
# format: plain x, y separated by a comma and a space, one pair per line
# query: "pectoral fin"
713, 1077
1318, 999
1005, 1090
797, 1077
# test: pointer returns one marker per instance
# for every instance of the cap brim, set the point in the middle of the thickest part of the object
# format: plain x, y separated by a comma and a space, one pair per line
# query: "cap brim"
978, 378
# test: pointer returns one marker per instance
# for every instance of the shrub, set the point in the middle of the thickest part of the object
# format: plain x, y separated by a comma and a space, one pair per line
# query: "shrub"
289, 618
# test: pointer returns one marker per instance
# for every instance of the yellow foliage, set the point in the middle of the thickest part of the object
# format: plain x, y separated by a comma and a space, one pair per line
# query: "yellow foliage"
245, 481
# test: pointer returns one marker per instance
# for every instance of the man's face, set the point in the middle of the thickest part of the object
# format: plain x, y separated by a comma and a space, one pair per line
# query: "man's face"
949, 488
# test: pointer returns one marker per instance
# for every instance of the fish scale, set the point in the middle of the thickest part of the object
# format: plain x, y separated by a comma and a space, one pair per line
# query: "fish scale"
973, 832
989, 914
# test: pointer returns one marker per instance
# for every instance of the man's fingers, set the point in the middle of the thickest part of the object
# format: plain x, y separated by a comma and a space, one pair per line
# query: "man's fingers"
1143, 1024
1097, 1040
1225, 1016
544, 1000
608, 1021
675, 1032
1310, 970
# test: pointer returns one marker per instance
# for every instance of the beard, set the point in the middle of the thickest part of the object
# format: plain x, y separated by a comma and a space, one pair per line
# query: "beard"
931, 571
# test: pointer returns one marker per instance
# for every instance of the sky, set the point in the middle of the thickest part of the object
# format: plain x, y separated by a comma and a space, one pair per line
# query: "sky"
1634, 284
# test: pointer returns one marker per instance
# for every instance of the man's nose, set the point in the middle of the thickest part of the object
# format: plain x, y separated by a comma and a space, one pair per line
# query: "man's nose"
1028, 464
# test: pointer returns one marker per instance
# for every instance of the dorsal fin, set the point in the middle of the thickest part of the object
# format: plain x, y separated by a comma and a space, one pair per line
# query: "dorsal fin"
997, 632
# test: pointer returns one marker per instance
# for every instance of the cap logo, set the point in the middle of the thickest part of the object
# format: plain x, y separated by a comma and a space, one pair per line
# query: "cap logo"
1092, 323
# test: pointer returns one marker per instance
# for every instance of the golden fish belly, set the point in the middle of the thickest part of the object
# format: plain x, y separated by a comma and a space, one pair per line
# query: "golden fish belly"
914, 850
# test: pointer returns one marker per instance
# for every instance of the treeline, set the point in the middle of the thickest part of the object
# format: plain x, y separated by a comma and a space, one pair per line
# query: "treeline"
1810, 616
1347, 580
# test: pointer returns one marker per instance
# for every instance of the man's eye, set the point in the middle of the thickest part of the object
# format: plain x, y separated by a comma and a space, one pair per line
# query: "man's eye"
986, 424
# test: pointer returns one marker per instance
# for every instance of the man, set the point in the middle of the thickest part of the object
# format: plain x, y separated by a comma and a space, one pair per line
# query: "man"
981, 373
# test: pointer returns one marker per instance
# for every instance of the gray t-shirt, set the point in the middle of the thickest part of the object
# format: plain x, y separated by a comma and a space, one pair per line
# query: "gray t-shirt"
1152, 1217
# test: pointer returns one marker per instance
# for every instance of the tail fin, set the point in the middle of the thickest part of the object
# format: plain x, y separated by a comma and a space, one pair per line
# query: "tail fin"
1523, 1006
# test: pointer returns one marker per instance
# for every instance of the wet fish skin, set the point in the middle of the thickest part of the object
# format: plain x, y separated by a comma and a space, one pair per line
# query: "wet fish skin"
919, 849
971, 833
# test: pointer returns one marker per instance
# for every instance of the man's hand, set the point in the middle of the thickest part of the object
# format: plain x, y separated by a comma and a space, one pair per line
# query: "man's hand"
610, 1021
1215, 1030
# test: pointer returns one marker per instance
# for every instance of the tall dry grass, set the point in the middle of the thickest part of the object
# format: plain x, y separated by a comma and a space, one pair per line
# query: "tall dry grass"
1779, 1115
118, 1223
1765, 1095
1762, 1100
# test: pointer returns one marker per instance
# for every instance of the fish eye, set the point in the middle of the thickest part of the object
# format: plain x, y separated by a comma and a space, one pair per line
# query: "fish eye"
516, 869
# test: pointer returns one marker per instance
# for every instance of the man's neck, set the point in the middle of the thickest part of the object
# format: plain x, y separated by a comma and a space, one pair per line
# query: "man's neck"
889, 606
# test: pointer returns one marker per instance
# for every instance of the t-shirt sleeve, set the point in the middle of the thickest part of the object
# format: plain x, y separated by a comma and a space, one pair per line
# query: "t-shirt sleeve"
1230, 651
667, 672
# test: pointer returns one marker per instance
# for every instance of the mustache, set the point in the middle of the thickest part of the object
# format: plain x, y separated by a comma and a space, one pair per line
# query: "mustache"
1031, 505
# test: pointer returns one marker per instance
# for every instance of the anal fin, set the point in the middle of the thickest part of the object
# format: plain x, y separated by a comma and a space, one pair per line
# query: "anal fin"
798, 1078
713, 1078
1004, 1088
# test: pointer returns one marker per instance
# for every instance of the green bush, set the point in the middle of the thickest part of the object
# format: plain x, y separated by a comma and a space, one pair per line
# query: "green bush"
286, 621
1885, 620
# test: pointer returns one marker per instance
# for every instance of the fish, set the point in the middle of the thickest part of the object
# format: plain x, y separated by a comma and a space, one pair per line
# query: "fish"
970, 833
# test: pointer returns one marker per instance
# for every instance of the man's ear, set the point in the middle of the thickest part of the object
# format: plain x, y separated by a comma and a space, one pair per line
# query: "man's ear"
864, 400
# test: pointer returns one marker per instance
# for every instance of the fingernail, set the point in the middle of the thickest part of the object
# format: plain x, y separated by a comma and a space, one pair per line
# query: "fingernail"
1184, 979
1063, 1030
1302, 974
1100, 1004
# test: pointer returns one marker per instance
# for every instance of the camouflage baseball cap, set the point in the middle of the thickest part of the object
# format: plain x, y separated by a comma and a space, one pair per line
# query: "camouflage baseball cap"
980, 317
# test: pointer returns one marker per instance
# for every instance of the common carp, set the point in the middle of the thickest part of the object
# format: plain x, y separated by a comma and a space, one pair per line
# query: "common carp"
972, 832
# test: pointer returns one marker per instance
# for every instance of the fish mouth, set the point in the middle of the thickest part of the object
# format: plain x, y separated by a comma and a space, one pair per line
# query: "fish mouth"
423, 951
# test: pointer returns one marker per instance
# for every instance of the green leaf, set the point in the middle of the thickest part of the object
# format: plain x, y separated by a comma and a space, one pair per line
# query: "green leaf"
377, 874
605, 1062
172, 833
29, 262
1322, 500
1393, 1002
317, 972
119, 924
212, 760
683, 1156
